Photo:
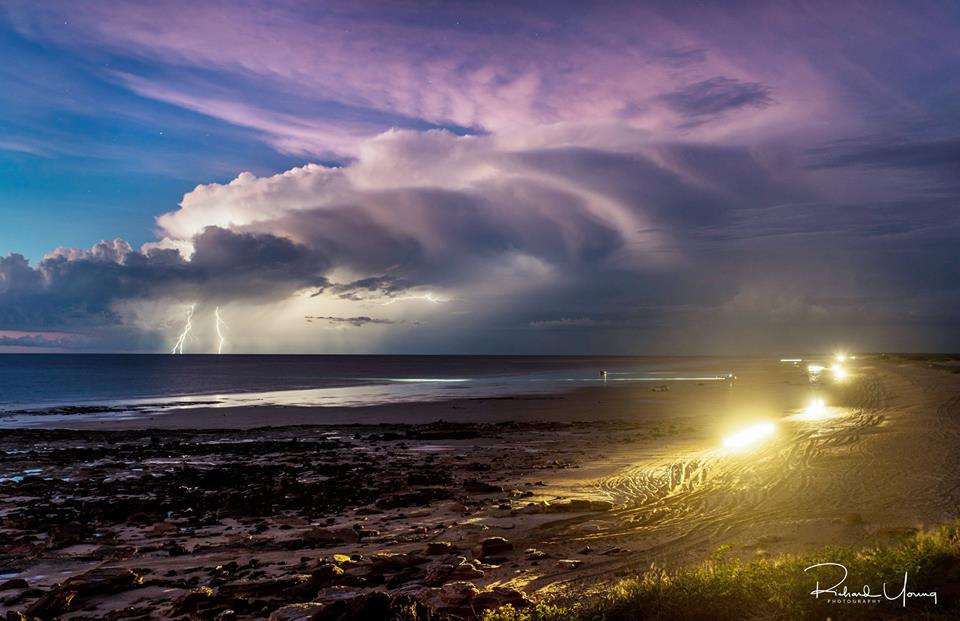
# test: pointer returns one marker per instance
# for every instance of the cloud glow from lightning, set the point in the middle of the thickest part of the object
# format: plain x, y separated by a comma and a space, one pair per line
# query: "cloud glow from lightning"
188, 326
221, 325
429, 297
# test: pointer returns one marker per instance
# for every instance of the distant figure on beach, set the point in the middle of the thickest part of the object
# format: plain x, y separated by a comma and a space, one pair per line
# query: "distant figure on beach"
603, 375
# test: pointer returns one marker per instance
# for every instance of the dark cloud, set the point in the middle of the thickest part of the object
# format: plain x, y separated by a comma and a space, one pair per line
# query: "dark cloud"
39, 341
718, 95
366, 288
356, 322
71, 287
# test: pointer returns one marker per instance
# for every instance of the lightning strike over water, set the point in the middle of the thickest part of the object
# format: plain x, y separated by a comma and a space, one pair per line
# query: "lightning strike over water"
188, 326
221, 325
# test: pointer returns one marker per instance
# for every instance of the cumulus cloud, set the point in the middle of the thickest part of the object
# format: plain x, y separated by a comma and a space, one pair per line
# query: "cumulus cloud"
81, 287
430, 208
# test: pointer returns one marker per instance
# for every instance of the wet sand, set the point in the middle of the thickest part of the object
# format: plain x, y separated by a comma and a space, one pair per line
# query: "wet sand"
211, 510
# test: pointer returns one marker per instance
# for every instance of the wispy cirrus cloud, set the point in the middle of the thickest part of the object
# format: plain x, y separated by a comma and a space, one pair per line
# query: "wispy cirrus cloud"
718, 95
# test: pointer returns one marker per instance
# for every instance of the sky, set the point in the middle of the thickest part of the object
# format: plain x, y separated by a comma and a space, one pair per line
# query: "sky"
490, 178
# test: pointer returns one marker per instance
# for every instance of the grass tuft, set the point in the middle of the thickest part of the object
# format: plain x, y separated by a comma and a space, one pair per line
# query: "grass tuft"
724, 588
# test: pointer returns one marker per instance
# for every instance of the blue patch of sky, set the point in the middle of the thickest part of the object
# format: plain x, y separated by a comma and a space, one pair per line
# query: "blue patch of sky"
83, 158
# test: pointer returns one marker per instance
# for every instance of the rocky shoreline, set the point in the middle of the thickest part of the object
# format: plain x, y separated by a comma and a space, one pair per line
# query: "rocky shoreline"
309, 522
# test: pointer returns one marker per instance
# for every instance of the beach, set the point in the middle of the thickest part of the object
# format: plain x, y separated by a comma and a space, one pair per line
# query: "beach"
463, 505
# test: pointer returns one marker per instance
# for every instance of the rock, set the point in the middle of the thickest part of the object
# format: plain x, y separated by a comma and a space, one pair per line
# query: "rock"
327, 574
366, 533
163, 528
569, 563
68, 594
14, 583
614, 550
284, 588
322, 536
475, 486
492, 546
536, 508
499, 596
535, 555
385, 562
192, 601
435, 548
578, 505
336, 593
374, 605
62, 535
453, 597
455, 569
297, 612
465, 571
173, 548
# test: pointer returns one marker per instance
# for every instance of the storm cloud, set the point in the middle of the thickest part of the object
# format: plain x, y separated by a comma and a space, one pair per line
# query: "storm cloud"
635, 178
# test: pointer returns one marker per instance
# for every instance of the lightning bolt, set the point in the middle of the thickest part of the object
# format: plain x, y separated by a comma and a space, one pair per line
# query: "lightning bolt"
221, 324
188, 326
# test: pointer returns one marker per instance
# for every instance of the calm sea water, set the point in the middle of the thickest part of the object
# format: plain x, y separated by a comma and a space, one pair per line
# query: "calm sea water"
40, 381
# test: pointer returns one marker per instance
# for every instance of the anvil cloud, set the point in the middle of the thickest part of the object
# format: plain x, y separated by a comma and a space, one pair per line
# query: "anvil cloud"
516, 177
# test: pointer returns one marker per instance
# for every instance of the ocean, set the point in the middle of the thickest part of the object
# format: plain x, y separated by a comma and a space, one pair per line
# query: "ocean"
117, 383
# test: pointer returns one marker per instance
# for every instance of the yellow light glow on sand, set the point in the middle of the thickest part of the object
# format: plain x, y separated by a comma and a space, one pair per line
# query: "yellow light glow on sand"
815, 368
839, 372
749, 437
841, 357
815, 410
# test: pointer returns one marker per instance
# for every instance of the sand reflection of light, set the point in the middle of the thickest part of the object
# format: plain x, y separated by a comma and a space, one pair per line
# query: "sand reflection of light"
749, 437
815, 410
839, 373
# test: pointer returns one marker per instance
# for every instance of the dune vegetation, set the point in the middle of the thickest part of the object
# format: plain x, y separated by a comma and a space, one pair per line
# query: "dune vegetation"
728, 588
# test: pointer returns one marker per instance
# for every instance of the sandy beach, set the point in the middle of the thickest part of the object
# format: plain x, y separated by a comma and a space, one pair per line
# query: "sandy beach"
461, 506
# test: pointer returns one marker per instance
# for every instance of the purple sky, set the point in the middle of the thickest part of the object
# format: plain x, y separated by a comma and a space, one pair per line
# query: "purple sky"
480, 177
